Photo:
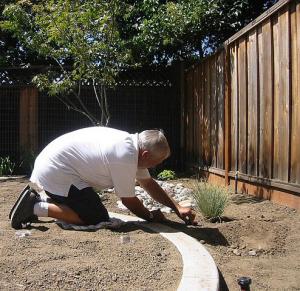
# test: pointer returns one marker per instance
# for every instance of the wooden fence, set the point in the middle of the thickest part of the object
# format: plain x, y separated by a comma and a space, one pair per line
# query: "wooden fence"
143, 99
242, 107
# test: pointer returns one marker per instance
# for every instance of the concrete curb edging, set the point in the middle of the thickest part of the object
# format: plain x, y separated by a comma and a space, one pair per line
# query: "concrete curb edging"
199, 269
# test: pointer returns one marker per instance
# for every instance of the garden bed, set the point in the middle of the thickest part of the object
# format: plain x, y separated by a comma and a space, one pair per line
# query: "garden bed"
258, 239
50, 258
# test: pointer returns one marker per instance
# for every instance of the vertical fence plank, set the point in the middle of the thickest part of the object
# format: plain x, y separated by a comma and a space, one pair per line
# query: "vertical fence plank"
33, 118
190, 120
253, 117
227, 114
242, 95
202, 85
187, 89
206, 121
182, 107
213, 110
28, 119
276, 98
249, 121
24, 119
220, 109
282, 98
295, 60
196, 109
199, 115
266, 99
234, 106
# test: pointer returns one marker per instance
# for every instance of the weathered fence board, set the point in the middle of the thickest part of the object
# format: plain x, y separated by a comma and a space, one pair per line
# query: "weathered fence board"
243, 110
195, 113
213, 88
220, 110
146, 99
295, 51
234, 108
252, 74
207, 120
266, 100
281, 97
202, 126
188, 117
263, 92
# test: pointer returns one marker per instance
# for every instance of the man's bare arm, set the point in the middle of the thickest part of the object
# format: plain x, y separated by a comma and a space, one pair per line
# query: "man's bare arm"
137, 207
158, 194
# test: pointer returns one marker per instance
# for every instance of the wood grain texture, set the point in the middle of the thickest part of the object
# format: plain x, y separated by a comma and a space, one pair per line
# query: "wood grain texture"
295, 122
266, 82
252, 96
243, 105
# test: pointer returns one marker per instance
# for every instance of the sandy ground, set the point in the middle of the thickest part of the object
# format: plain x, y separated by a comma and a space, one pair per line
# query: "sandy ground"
55, 259
259, 239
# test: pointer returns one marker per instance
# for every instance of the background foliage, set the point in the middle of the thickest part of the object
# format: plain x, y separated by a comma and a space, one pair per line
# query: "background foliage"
156, 30
92, 41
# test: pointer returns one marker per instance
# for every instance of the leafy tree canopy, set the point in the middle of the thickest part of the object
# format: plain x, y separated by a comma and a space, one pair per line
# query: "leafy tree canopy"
154, 30
93, 40
12, 53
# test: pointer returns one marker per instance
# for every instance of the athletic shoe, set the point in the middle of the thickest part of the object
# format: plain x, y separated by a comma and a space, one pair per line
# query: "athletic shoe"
25, 190
23, 212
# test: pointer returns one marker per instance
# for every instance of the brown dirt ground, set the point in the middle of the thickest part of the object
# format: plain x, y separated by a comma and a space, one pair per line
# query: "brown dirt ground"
53, 259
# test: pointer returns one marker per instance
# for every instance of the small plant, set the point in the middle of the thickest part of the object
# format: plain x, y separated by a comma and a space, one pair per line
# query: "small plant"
166, 175
6, 166
210, 200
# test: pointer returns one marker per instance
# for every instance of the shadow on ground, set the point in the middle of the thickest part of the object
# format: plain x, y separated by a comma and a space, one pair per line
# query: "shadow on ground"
242, 199
211, 236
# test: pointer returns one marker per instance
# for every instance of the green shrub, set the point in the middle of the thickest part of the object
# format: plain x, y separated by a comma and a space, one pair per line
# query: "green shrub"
6, 166
211, 200
166, 175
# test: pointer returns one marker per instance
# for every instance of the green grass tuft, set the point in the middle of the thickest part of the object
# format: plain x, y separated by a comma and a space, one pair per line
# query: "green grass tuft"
211, 200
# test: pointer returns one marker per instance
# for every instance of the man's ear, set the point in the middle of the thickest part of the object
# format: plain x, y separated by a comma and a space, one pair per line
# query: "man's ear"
145, 154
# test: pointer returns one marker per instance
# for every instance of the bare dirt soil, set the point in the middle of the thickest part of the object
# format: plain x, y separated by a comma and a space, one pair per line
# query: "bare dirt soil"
259, 239
54, 259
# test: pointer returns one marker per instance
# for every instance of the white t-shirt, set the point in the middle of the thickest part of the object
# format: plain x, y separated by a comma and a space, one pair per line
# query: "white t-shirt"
91, 157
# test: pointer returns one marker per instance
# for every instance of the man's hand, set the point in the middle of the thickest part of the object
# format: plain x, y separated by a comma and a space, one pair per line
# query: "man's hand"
188, 215
137, 207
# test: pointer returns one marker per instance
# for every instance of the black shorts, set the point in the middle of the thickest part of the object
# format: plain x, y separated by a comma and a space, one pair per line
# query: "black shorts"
86, 203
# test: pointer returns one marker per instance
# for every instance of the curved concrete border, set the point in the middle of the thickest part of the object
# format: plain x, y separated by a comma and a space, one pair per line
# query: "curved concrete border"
199, 269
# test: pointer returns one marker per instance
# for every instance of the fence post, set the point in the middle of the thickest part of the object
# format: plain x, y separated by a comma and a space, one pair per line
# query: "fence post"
227, 109
28, 119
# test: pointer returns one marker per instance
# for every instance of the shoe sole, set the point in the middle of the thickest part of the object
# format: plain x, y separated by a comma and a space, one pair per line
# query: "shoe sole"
18, 201
18, 207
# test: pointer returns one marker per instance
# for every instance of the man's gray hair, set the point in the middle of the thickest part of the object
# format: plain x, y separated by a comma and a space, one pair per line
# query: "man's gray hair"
155, 142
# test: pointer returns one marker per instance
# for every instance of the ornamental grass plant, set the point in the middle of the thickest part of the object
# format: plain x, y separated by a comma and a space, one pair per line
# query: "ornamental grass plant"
6, 166
211, 200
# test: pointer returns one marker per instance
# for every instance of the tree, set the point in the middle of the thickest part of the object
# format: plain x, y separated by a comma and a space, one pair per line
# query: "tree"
12, 53
81, 38
229, 17
92, 41
160, 32
164, 31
